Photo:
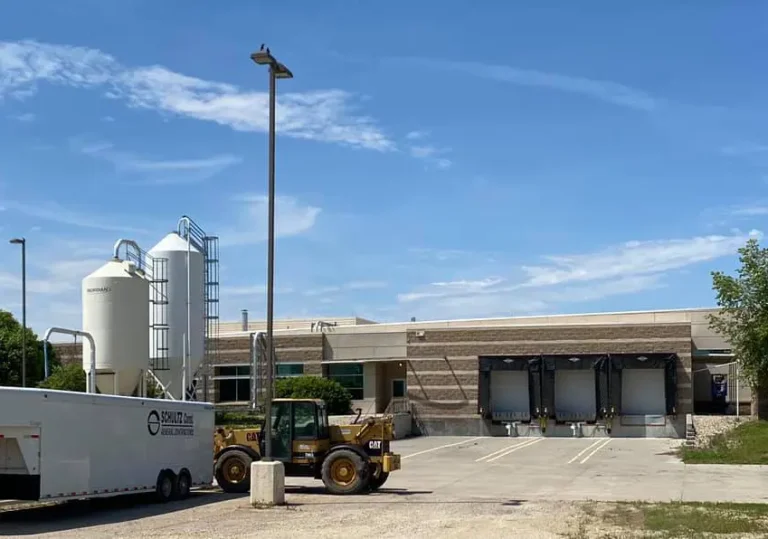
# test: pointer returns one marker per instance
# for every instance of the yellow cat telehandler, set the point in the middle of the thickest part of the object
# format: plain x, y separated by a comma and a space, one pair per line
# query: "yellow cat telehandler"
350, 459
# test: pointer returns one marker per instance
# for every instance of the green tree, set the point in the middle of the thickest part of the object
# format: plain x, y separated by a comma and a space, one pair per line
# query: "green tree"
67, 378
10, 353
336, 397
743, 319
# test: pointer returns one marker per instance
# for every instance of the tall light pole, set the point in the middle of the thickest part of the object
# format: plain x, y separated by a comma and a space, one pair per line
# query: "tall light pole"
23, 243
276, 71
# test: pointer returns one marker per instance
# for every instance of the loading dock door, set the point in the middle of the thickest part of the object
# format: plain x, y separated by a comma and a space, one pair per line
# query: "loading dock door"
509, 395
643, 392
575, 395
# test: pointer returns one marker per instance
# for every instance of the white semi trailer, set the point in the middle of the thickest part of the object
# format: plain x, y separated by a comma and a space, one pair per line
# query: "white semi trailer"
62, 445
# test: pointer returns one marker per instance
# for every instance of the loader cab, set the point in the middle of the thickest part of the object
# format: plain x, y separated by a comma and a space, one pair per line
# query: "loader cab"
299, 428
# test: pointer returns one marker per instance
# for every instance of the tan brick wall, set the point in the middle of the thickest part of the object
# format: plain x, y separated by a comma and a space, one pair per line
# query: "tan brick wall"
461, 347
425, 409
545, 347
447, 378
440, 364
68, 353
555, 333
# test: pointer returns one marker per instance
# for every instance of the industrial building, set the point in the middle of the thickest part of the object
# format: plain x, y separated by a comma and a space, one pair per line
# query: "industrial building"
625, 374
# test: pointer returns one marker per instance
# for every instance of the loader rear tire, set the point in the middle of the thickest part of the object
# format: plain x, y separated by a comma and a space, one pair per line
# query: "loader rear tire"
233, 472
345, 472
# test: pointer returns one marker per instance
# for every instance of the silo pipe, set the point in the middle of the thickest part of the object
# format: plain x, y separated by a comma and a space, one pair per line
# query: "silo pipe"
75, 333
128, 243
188, 338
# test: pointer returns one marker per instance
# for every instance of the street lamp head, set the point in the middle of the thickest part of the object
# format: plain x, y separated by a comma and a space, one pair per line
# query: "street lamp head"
281, 72
263, 57
18, 241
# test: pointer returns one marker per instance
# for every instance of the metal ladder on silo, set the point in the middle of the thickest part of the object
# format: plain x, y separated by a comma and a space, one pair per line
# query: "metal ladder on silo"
209, 247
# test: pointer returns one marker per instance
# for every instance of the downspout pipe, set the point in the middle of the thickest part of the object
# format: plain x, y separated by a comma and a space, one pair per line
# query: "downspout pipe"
75, 333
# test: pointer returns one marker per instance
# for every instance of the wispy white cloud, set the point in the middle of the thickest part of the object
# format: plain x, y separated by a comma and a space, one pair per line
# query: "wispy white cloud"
750, 210
55, 212
744, 148
352, 285
322, 115
432, 155
623, 269
603, 90
256, 290
366, 285
428, 153
634, 258
157, 171
216, 161
27, 117
291, 218
416, 135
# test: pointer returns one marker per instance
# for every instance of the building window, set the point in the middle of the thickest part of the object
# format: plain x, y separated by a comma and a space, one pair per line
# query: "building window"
234, 383
349, 375
285, 370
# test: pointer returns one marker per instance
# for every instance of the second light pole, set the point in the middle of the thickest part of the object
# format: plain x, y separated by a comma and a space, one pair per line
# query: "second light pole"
23, 243
276, 71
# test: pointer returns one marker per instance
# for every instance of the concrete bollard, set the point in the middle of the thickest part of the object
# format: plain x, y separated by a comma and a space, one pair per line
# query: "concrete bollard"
267, 483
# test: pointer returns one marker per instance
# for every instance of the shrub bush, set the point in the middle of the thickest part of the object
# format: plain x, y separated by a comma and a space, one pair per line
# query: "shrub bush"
238, 419
68, 378
336, 397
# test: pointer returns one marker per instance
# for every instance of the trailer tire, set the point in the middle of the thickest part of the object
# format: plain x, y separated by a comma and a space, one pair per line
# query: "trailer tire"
345, 472
166, 482
233, 471
183, 485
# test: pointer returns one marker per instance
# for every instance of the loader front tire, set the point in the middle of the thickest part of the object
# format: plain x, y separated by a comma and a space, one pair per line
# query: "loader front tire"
377, 478
233, 472
345, 472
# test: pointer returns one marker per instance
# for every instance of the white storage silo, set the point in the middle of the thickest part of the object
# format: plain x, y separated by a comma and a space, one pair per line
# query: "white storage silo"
115, 314
174, 249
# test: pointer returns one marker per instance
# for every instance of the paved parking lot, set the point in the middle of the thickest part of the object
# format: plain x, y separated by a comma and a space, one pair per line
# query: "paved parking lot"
493, 487
609, 469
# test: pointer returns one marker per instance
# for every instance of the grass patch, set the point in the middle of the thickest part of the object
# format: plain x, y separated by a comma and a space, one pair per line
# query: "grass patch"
745, 444
678, 519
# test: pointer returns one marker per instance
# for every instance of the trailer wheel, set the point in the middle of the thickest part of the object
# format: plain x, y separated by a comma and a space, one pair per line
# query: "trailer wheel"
183, 484
165, 486
378, 477
345, 472
233, 471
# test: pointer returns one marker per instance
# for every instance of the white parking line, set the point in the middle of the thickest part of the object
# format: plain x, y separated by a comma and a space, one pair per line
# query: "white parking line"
506, 448
510, 450
440, 447
580, 453
598, 448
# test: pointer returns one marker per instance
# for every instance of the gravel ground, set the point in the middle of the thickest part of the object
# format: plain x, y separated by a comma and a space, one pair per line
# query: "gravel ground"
709, 426
306, 515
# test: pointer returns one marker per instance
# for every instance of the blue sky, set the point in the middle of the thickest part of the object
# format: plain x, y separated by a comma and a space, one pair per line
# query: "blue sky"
473, 160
